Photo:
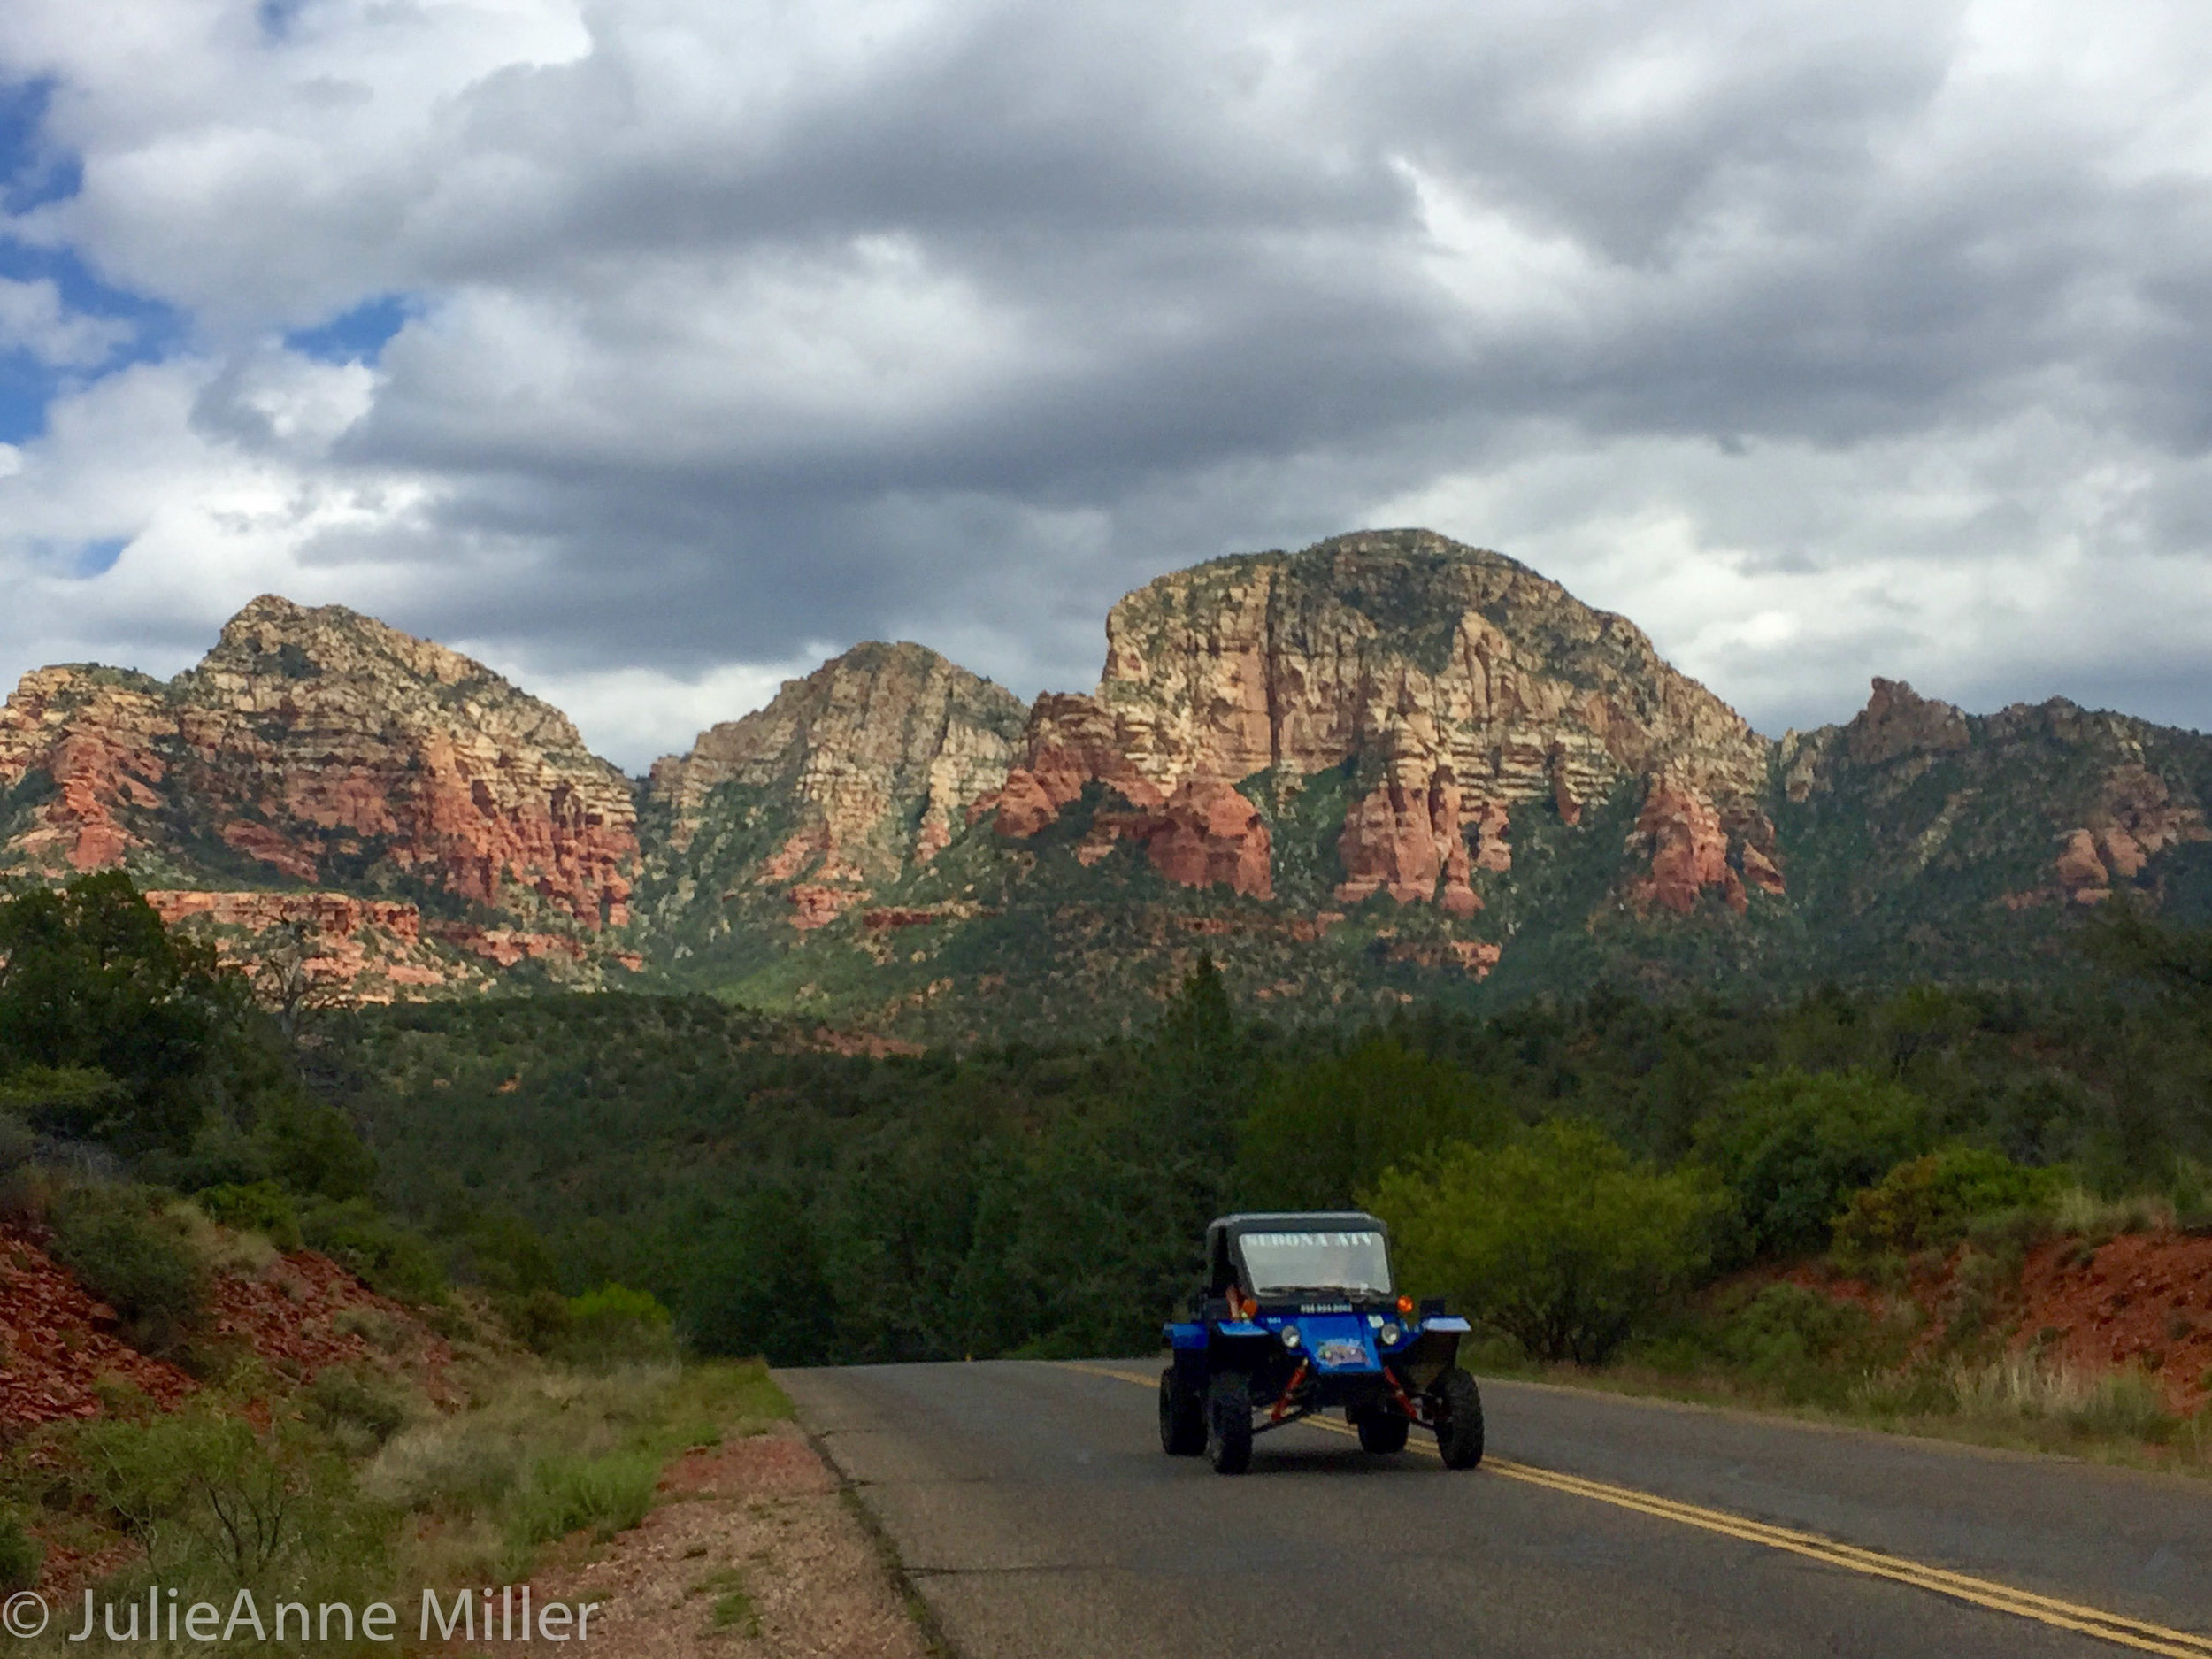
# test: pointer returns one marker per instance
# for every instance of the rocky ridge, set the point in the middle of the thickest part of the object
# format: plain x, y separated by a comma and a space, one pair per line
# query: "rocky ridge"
314, 750
1385, 767
862, 771
1463, 690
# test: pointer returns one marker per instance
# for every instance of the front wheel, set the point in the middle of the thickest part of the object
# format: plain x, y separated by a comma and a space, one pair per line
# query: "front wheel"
1229, 1423
1383, 1432
1182, 1417
1458, 1407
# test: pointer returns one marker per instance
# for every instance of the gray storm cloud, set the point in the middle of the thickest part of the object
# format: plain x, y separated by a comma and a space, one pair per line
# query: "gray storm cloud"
1825, 341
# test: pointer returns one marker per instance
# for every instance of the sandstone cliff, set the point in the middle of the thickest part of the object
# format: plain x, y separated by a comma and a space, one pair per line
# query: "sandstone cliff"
866, 767
319, 748
1466, 691
2041, 803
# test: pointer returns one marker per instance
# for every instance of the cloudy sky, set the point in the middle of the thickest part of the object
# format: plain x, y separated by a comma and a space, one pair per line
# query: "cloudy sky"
652, 349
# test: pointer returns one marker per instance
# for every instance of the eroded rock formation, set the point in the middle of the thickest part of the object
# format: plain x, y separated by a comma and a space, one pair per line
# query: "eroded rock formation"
871, 761
323, 747
1463, 687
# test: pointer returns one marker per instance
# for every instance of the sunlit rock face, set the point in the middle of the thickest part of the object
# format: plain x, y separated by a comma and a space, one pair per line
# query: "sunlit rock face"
872, 762
1463, 687
319, 748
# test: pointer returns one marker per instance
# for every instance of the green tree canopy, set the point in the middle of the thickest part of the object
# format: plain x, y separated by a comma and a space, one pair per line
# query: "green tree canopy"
1324, 1129
1557, 1238
1794, 1145
93, 982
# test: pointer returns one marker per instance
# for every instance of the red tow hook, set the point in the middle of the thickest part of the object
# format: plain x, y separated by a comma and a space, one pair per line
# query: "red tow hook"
1399, 1389
1282, 1401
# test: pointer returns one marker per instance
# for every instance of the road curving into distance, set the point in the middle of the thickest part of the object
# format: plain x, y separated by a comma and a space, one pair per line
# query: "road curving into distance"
1033, 1510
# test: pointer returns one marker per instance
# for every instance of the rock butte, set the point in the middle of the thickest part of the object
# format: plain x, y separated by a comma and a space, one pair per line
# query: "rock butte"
1403, 715
1464, 687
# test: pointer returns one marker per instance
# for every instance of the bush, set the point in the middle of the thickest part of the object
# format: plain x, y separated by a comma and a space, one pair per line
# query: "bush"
1556, 1238
1793, 1145
1324, 1129
338, 1401
210, 1497
20, 1555
17, 1143
609, 1495
260, 1207
612, 1325
65, 1100
1933, 1202
378, 1250
1805, 1347
136, 1262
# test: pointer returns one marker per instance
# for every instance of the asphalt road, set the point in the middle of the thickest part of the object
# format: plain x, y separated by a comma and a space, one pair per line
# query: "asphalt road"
1030, 1505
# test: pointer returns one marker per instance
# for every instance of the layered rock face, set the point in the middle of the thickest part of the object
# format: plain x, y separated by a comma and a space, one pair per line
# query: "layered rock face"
327, 749
1465, 689
2088, 799
873, 761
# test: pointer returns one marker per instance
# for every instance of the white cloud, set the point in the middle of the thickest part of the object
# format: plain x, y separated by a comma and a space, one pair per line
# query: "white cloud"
1824, 340
33, 320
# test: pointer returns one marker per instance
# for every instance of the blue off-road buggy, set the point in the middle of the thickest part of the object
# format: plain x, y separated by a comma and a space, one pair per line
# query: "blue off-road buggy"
1299, 1317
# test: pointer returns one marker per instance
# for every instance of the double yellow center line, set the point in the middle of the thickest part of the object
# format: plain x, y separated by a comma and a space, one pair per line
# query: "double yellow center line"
2000, 1598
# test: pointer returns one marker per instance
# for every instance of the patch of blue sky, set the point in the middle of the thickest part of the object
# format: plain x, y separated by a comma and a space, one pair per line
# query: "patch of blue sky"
33, 172
358, 335
79, 561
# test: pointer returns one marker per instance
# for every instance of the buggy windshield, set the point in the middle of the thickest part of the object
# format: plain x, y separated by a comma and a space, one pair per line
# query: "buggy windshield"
1316, 1261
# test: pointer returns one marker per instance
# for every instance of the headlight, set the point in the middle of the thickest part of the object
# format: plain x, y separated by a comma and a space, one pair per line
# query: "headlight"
1389, 1334
1291, 1338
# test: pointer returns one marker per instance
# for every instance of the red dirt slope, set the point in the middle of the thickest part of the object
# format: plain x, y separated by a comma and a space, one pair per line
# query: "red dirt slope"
2145, 1299
56, 1341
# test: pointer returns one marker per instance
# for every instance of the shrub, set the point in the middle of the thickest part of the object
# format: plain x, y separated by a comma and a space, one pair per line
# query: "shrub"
454, 1469
609, 1495
17, 1143
384, 1255
1792, 1146
614, 1324
1556, 1238
1933, 1202
66, 1100
209, 1496
1806, 1346
338, 1401
20, 1555
2077, 1209
137, 1263
260, 1207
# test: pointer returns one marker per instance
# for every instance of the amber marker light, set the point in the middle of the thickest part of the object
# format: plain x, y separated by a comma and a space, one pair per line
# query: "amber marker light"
1405, 1304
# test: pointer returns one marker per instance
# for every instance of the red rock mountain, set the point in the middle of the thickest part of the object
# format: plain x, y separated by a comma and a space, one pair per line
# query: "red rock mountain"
865, 767
1466, 689
319, 748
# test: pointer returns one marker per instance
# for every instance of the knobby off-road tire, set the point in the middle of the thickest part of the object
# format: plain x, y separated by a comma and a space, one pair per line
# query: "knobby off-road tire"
1182, 1417
1383, 1432
1228, 1423
1458, 1419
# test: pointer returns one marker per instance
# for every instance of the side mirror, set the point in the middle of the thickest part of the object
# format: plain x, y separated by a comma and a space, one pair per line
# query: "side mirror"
1431, 1307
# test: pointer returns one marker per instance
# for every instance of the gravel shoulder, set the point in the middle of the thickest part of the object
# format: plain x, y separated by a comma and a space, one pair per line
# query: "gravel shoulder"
752, 1550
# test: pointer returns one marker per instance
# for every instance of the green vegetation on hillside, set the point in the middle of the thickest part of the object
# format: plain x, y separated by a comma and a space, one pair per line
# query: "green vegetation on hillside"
819, 1206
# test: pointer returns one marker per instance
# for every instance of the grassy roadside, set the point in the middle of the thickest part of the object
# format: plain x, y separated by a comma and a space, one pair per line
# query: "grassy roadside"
358, 1489
2010, 1402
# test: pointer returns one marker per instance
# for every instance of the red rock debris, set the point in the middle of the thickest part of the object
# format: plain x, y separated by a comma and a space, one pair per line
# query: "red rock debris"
291, 1318
2143, 1300
56, 1342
